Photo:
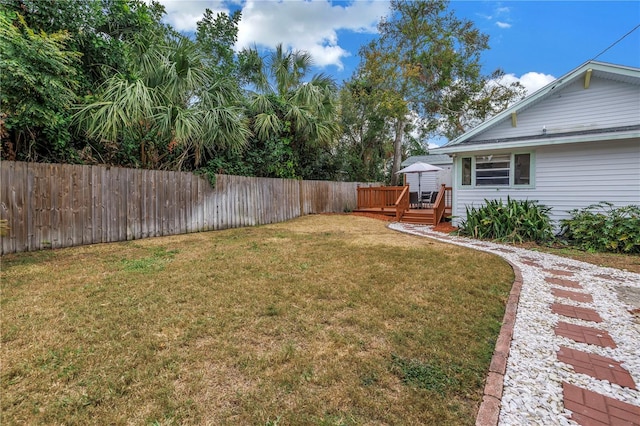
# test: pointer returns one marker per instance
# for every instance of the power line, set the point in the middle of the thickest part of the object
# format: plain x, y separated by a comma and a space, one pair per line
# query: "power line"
616, 42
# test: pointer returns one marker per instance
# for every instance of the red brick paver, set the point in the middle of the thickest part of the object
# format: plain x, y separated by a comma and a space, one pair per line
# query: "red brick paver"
592, 409
563, 282
558, 272
576, 312
570, 267
608, 277
591, 336
597, 366
573, 295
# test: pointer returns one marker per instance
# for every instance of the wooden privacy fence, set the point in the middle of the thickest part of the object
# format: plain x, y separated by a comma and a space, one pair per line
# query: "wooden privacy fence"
61, 205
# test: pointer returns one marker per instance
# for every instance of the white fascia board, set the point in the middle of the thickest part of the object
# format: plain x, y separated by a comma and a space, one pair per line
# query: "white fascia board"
524, 144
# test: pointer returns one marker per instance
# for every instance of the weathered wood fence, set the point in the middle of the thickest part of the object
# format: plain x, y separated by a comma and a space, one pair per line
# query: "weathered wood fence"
61, 205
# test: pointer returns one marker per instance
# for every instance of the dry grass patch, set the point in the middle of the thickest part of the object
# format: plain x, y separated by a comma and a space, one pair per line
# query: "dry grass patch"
321, 320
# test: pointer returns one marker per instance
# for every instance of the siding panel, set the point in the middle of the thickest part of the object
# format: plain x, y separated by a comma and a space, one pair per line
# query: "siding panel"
567, 179
605, 104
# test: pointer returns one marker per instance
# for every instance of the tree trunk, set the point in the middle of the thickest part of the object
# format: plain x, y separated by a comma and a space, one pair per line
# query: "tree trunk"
397, 152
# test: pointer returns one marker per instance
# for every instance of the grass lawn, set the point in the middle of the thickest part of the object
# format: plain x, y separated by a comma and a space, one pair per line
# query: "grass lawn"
329, 320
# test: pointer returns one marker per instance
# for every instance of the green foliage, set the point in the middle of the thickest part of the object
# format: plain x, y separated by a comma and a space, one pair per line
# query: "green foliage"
54, 54
366, 141
424, 375
293, 121
603, 228
215, 38
188, 113
102, 31
38, 81
515, 221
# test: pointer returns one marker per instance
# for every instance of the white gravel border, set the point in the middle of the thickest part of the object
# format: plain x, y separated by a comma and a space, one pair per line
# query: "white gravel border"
532, 393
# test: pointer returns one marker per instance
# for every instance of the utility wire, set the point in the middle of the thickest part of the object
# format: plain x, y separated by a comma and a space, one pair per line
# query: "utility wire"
616, 42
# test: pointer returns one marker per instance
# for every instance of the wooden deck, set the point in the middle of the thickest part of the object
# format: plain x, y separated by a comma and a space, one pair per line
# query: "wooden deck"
418, 216
393, 202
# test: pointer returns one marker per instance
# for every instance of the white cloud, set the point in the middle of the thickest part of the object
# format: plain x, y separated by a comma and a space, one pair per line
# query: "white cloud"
502, 16
184, 14
307, 25
532, 81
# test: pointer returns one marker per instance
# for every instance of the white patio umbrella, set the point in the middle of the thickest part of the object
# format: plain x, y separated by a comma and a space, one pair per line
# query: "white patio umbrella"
419, 167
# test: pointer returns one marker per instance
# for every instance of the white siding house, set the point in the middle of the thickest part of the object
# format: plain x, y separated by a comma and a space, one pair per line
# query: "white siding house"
571, 144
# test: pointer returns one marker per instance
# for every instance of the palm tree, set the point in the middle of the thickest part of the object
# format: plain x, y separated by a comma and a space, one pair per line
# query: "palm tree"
284, 106
171, 108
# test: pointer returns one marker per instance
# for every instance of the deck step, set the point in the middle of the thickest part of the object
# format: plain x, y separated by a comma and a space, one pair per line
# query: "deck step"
422, 219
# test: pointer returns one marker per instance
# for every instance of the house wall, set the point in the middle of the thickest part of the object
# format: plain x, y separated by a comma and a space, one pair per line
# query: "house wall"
568, 177
605, 104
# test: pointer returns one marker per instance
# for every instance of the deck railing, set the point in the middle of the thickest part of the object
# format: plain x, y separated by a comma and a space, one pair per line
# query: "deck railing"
402, 203
382, 197
443, 201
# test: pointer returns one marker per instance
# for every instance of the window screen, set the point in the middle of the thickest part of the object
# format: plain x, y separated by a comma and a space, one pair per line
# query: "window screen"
522, 169
466, 171
493, 170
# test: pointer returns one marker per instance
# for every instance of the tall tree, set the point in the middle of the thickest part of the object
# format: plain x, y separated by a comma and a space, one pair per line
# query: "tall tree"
427, 63
38, 80
366, 141
215, 38
172, 110
289, 115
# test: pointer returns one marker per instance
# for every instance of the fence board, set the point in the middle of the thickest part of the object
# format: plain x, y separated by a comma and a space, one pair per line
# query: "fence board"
8, 206
49, 202
58, 222
77, 201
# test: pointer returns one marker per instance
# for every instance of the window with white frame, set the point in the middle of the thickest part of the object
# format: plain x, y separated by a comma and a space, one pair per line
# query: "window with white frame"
496, 170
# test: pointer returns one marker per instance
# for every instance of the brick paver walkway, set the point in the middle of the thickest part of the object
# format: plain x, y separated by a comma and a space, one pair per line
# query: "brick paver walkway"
563, 282
572, 304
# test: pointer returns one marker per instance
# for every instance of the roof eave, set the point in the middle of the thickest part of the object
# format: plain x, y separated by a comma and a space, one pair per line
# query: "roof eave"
523, 144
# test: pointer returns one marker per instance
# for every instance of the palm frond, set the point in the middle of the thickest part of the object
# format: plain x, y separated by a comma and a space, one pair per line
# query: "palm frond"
266, 125
260, 104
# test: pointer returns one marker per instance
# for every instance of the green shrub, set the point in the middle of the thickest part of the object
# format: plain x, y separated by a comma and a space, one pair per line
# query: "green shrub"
602, 227
515, 221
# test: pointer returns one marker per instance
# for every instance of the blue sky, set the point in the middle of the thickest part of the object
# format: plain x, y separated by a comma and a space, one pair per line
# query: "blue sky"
532, 41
